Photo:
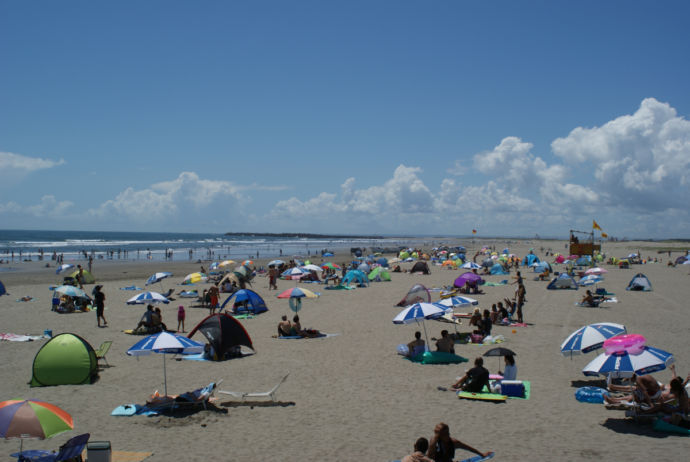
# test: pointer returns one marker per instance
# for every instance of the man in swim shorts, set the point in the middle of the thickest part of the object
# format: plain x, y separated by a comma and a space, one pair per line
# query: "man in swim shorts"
284, 327
475, 379
442, 446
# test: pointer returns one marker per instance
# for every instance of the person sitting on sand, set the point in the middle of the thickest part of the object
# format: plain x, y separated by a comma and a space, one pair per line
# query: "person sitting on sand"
420, 448
476, 317
284, 327
484, 325
445, 344
494, 314
475, 379
147, 319
442, 446
417, 345
588, 299
544, 276
296, 328
158, 317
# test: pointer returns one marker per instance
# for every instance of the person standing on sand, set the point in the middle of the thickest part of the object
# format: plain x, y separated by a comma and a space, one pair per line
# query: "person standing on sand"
180, 318
99, 298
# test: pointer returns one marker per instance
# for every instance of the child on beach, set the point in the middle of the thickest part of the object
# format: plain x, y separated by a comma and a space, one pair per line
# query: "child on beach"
180, 318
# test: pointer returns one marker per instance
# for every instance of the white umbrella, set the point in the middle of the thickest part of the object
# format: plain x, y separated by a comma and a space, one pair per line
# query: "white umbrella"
470, 265
64, 267
596, 271
457, 301
311, 267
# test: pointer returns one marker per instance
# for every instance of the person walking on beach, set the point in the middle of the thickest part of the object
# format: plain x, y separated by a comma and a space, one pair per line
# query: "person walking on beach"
272, 277
213, 296
180, 318
99, 298
80, 277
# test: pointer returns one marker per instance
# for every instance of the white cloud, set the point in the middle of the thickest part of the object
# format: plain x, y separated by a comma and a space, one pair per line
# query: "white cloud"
47, 207
11, 163
179, 200
640, 160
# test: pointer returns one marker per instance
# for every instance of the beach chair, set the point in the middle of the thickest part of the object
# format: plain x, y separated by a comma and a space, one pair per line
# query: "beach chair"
71, 449
103, 350
200, 396
267, 394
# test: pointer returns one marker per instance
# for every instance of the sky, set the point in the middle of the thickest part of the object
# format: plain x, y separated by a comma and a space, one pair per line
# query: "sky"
352, 117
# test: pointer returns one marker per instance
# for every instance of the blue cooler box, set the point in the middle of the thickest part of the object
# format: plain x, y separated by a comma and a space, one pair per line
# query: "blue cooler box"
513, 388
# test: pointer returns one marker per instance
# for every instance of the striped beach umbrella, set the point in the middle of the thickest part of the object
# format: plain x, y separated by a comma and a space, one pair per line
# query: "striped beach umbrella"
590, 338
623, 364
145, 298
32, 419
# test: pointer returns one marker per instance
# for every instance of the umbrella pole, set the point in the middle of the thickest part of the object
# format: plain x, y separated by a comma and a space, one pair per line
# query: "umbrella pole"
425, 334
165, 377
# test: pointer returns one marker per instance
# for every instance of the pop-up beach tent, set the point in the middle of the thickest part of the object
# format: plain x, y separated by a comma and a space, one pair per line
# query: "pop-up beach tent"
87, 277
3, 291
66, 359
223, 332
530, 259
640, 282
498, 269
355, 276
254, 303
563, 281
420, 267
379, 274
417, 294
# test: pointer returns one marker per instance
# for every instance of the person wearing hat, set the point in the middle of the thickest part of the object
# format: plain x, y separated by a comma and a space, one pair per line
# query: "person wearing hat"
99, 298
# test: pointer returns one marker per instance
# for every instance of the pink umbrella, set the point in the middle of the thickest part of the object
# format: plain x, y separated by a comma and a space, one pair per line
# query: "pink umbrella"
560, 259
596, 271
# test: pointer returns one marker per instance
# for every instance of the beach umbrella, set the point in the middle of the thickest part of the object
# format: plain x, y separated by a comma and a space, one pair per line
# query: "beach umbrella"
295, 295
225, 263
247, 262
597, 271
470, 265
165, 343
64, 267
193, 278
457, 301
298, 292
293, 273
418, 313
590, 280
71, 291
145, 298
158, 277
312, 268
623, 364
464, 278
499, 352
590, 338
330, 265
275, 263
32, 419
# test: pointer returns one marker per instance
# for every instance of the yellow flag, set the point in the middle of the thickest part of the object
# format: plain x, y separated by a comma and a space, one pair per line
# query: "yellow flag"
595, 225
603, 234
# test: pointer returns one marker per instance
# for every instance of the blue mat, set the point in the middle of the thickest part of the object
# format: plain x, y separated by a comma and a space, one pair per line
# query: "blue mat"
297, 337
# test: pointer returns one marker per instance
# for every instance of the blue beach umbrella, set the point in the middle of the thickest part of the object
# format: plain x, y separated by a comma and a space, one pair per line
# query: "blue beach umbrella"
165, 343
64, 267
452, 302
590, 280
623, 364
418, 313
71, 291
157, 277
470, 265
590, 338
146, 298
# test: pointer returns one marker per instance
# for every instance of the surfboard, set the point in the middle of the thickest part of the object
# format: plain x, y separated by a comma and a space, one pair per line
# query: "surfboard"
482, 396
478, 458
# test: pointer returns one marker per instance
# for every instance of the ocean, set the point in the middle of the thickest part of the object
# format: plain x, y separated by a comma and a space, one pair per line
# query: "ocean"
20, 245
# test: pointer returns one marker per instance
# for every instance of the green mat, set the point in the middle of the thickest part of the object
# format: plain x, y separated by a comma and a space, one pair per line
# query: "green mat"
528, 390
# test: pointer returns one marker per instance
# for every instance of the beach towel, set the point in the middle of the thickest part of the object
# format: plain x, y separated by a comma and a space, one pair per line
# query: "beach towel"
297, 337
20, 338
494, 284
129, 456
437, 357
131, 288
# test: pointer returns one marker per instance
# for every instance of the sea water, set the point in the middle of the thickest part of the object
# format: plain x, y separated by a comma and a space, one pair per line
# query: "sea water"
22, 245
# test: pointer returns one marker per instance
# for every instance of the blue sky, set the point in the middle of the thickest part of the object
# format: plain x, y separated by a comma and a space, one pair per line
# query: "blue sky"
513, 118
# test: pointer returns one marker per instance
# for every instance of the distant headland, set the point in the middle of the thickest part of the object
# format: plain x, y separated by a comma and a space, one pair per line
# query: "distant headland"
305, 235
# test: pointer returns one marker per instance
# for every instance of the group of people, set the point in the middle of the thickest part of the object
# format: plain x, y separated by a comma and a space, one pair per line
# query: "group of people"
671, 399
151, 322
289, 329
441, 448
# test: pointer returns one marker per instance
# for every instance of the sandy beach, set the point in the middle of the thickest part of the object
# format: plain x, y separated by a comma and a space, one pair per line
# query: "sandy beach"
351, 396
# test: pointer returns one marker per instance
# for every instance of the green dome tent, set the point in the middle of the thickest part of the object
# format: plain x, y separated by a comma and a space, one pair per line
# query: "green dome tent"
88, 277
379, 273
66, 359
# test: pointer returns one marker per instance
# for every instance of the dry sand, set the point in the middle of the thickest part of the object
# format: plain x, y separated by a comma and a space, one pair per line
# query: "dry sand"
351, 397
